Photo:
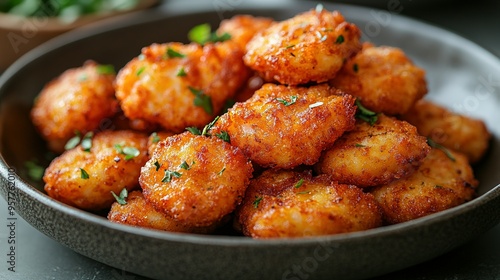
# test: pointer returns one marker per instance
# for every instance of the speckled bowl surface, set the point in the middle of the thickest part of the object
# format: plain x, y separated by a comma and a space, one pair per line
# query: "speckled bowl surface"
460, 75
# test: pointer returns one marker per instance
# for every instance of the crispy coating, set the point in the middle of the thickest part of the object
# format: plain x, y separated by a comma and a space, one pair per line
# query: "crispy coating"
179, 92
137, 212
295, 204
458, 132
310, 47
275, 135
242, 28
156, 137
383, 78
78, 100
195, 180
107, 168
375, 155
439, 184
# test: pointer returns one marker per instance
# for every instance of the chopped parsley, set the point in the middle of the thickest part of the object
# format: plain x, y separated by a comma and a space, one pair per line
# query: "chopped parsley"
355, 68
185, 165
359, 145
157, 165
435, 145
181, 72
289, 47
171, 53
35, 171
340, 39
83, 174
129, 152
203, 34
299, 184
202, 100
257, 201
194, 130
122, 198
169, 175
292, 101
87, 141
304, 192
365, 114
140, 70
155, 138
106, 69
209, 126
224, 136
73, 141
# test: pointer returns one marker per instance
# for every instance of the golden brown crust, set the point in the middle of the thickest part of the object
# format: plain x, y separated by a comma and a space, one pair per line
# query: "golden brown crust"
383, 78
375, 155
458, 132
209, 186
137, 212
439, 184
310, 47
78, 100
107, 168
150, 87
273, 134
295, 204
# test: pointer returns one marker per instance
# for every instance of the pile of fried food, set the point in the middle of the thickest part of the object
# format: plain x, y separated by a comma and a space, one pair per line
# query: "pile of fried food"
281, 129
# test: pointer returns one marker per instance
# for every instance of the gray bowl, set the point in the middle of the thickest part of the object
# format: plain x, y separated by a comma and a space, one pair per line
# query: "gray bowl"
461, 75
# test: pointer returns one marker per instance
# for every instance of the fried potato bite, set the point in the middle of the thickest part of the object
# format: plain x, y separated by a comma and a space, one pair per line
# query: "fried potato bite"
85, 179
284, 127
195, 180
137, 212
375, 155
310, 47
242, 28
178, 86
458, 132
442, 182
295, 204
383, 78
78, 100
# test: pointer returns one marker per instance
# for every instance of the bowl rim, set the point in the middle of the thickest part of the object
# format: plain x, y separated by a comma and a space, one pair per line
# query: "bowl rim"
118, 23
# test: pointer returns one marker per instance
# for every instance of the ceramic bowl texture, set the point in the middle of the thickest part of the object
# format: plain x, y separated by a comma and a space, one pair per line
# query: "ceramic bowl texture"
460, 75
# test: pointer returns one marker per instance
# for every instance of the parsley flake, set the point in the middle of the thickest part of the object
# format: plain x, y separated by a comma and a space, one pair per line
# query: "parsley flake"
106, 69
203, 34
73, 141
140, 70
224, 136
157, 165
340, 39
185, 165
35, 171
171, 53
122, 198
87, 141
257, 201
194, 130
222, 171
169, 174
299, 183
83, 174
129, 152
435, 145
289, 47
208, 127
292, 101
359, 145
355, 68
155, 138
202, 100
365, 114
181, 72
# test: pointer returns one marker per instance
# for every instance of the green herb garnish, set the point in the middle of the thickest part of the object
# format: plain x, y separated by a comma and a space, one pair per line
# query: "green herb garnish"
365, 114
181, 72
157, 165
140, 70
224, 136
83, 174
293, 99
122, 198
129, 152
185, 165
171, 53
221, 171
203, 34
340, 39
355, 68
35, 171
202, 100
194, 130
87, 141
169, 174
257, 201
155, 138
435, 145
106, 69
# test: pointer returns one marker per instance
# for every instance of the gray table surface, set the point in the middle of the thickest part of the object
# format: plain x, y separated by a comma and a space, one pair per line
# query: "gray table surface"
39, 257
